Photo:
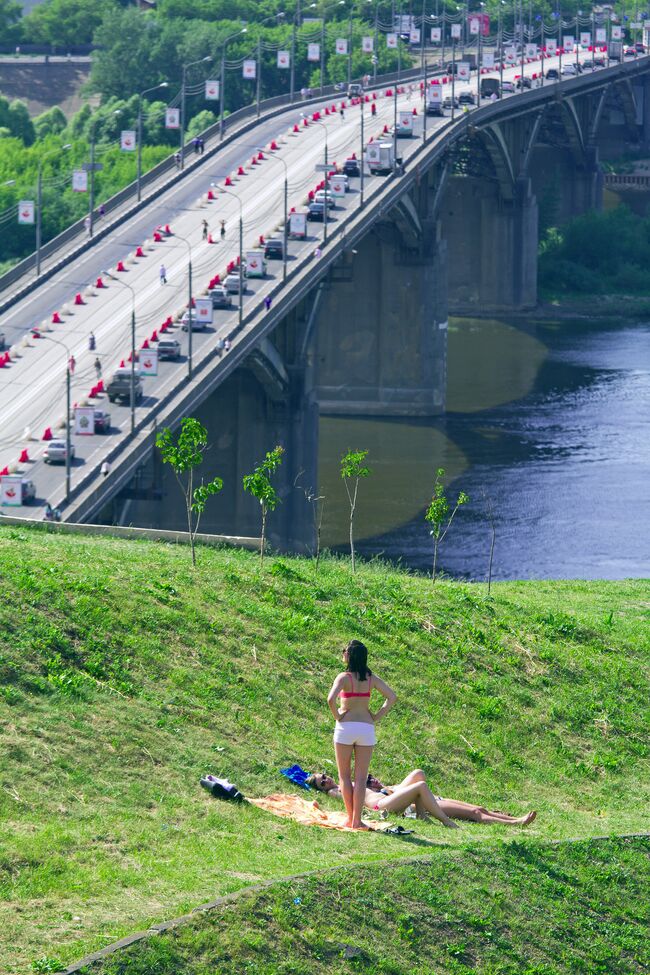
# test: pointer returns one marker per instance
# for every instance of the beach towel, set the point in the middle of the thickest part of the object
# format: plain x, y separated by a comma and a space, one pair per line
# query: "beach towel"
308, 812
296, 775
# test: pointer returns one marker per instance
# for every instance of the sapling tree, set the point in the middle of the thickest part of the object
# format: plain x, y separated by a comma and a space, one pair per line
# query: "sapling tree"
184, 456
440, 515
259, 485
352, 470
317, 501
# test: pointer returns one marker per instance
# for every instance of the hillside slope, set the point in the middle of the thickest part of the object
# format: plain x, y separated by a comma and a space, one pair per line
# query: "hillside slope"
124, 675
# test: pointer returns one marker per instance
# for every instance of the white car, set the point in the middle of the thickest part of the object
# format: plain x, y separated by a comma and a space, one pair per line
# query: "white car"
319, 197
231, 283
56, 451
569, 70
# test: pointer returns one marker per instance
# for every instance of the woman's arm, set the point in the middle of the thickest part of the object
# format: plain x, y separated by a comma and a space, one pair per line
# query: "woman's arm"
337, 687
389, 697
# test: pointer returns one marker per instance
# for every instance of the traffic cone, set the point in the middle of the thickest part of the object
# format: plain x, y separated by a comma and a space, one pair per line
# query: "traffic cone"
130, 359
295, 127
163, 327
241, 171
157, 236
99, 283
210, 240
210, 195
56, 319
262, 240
316, 117
193, 302
216, 279
305, 123
385, 129
139, 252
254, 161
167, 230
228, 181
47, 435
78, 300
120, 266
2, 363
292, 210
154, 336
36, 334
4, 472
260, 156
93, 393
145, 344
367, 99
122, 364
100, 386
273, 146
415, 111
374, 96
389, 93
327, 111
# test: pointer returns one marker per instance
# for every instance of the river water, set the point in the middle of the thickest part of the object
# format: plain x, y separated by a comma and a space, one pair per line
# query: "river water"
548, 423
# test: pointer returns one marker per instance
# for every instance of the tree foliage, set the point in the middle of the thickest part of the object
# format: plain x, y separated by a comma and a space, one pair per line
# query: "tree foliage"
259, 485
353, 470
440, 515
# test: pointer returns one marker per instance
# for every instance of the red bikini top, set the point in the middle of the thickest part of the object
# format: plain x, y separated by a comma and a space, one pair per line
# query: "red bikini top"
354, 693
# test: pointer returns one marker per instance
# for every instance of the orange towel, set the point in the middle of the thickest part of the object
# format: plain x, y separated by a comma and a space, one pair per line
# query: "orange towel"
306, 812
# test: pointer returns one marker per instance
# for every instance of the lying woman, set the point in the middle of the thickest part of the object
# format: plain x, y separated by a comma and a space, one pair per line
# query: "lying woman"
414, 791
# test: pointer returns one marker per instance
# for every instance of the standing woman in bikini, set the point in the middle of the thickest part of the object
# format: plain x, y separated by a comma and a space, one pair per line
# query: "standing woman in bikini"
354, 733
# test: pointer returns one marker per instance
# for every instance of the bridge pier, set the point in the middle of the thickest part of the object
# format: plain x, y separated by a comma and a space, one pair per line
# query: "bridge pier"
492, 245
381, 344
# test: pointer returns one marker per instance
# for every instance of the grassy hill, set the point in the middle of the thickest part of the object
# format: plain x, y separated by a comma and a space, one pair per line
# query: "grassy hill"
125, 675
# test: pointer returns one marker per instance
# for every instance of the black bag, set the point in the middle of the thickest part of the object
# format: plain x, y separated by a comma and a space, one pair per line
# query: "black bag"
221, 788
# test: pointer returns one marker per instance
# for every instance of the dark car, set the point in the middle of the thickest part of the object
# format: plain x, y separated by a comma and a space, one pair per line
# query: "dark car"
220, 297
599, 62
316, 211
102, 421
523, 83
351, 167
466, 98
552, 74
274, 249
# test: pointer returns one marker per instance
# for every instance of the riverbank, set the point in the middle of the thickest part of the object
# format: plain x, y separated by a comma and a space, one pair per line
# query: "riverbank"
125, 675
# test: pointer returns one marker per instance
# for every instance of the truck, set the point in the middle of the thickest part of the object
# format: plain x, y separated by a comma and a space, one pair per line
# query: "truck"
119, 386
255, 264
434, 100
615, 51
466, 58
405, 125
489, 87
298, 225
380, 157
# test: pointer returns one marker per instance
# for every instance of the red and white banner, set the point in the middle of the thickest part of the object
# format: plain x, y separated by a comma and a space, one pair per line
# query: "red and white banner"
313, 52
462, 70
406, 121
173, 118
26, 212
11, 489
488, 59
284, 59
479, 24
202, 311
80, 181
249, 70
127, 140
148, 362
436, 35
531, 50
568, 42
84, 420
341, 45
414, 35
551, 47
474, 25
212, 91
617, 33
511, 55
391, 40
601, 35
455, 31
585, 39
367, 45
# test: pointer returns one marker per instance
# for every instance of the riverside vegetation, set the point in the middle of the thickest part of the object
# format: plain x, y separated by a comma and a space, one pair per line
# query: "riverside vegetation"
125, 674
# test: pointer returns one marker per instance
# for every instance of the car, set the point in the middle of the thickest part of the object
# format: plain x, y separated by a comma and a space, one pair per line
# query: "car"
220, 296
448, 103
508, 88
351, 167
639, 47
552, 74
316, 211
274, 249
630, 52
523, 83
169, 349
588, 66
569, 70
355, 90
319, 197
600, 62
466, 98
232, 283
197, 324
103, 420
56, 452
119, 386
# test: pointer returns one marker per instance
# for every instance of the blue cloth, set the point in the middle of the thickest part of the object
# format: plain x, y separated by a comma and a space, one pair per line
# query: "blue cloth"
297, 775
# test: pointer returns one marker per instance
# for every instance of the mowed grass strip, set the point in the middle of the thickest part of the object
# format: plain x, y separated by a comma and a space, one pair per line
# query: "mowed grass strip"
125, 675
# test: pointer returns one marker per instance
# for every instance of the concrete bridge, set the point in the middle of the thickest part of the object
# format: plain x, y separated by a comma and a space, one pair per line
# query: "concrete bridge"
360, 327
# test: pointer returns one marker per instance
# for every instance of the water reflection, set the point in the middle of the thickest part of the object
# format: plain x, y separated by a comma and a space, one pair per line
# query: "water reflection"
551, 422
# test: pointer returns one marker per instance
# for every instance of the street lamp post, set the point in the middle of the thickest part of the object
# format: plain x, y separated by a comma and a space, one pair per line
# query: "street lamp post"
125, 284
39, 204
163, 84
222, 87
241, 253
204, 60
296, 24
189, 305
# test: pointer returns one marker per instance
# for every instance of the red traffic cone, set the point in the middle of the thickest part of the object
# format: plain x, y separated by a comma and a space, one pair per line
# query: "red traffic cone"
241, 171
254, 161
228, 181
36, 334
47, 435
122, 364
120, 266
292, 210
100, 386
7, 358
260, 156
262, 239
4, 472
210, 195
193, 302
78, 300
145, 344
389, 93
56, 319
130, 359
139, 252
99, 283
93, 393
385, 128
168, 230
210, 240
316, 116
157, 236
273, 146
305, 123
295, 128
217, 279
374, 96
169, 320
327, 111
154, 336
163, 327
333, 108
367, 98
2, 363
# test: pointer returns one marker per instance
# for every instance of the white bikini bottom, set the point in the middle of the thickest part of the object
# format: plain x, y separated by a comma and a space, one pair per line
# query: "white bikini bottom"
354, 733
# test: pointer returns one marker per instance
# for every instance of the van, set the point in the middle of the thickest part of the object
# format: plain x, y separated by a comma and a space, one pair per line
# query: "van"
119, 386
489, 87
355, 90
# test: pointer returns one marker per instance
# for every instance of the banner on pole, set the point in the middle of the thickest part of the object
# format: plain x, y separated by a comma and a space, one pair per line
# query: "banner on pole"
551, 47
585, 39
414, 35
80, 181
436, 35
479, 24
568, 42
173, 118
511, 55
367, 44
462, 70
127, 140
531, 50
474, 25
455, 31
391, 40
636, 25
341, 45
601, 35
203, 310
284, 59
212, 91
617, 33
313, 52
84, 420
26, 212
249, 70
148, 362
11, 489
488, 59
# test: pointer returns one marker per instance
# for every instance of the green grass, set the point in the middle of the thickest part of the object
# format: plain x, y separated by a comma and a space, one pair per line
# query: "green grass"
125, 675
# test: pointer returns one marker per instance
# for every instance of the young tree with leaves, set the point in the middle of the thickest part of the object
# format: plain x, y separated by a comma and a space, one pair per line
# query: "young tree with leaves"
184, 456
352, 470
259, 485
440, 515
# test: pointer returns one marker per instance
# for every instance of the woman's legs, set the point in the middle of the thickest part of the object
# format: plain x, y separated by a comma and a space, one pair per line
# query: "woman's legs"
344, 762
417, 775
362, 756
479, 814
422, 796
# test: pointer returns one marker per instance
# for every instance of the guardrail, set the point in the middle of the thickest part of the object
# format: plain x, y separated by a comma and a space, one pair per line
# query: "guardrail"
621, 180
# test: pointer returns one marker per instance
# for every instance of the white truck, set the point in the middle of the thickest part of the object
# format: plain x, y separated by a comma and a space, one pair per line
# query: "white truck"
434, 100
405, 125
380, 157
255, 264
298, 225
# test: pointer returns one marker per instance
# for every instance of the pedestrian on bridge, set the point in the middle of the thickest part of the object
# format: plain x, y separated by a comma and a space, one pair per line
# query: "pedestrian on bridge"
163, 274
92, 342
98, 368
222, 232
267, 302
72, 362
205, 229
105, 469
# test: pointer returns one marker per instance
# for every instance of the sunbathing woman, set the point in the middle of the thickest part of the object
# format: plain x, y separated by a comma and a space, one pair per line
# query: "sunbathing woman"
413, 790
354, 733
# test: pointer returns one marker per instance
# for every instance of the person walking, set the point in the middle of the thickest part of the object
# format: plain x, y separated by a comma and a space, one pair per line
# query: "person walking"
92, 342
72, 362
163, 274
204, 223
105, 469
222, 231
267, 302
342, 112
354, 732
98, 368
